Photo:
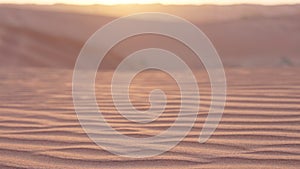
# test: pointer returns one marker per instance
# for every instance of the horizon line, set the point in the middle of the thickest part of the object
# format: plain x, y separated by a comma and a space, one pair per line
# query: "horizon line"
142, 4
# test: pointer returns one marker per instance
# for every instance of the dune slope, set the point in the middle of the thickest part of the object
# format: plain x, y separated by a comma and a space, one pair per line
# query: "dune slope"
250, 36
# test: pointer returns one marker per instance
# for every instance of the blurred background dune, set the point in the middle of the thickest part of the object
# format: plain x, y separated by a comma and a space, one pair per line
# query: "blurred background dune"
244, 35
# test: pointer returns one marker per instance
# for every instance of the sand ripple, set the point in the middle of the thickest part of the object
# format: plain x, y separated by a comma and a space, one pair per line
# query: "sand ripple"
260, 127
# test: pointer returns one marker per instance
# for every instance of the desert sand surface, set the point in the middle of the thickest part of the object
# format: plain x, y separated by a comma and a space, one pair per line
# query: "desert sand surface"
260, 127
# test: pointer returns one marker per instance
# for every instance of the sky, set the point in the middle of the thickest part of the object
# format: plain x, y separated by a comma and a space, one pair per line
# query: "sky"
114, 2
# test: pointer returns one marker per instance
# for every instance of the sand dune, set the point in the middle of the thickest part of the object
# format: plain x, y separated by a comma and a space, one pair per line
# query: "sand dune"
260, 126
251, 36
259, 129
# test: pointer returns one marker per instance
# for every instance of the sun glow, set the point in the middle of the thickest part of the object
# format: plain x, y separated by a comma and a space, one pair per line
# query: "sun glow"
117, 2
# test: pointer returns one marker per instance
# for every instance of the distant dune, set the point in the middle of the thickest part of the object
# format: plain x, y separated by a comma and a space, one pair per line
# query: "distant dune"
244, 35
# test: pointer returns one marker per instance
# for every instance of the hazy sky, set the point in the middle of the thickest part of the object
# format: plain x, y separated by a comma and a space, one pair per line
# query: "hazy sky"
112, 2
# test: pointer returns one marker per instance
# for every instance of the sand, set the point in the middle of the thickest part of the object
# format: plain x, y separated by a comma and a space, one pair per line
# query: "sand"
261, 122
259, 128
245, 36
